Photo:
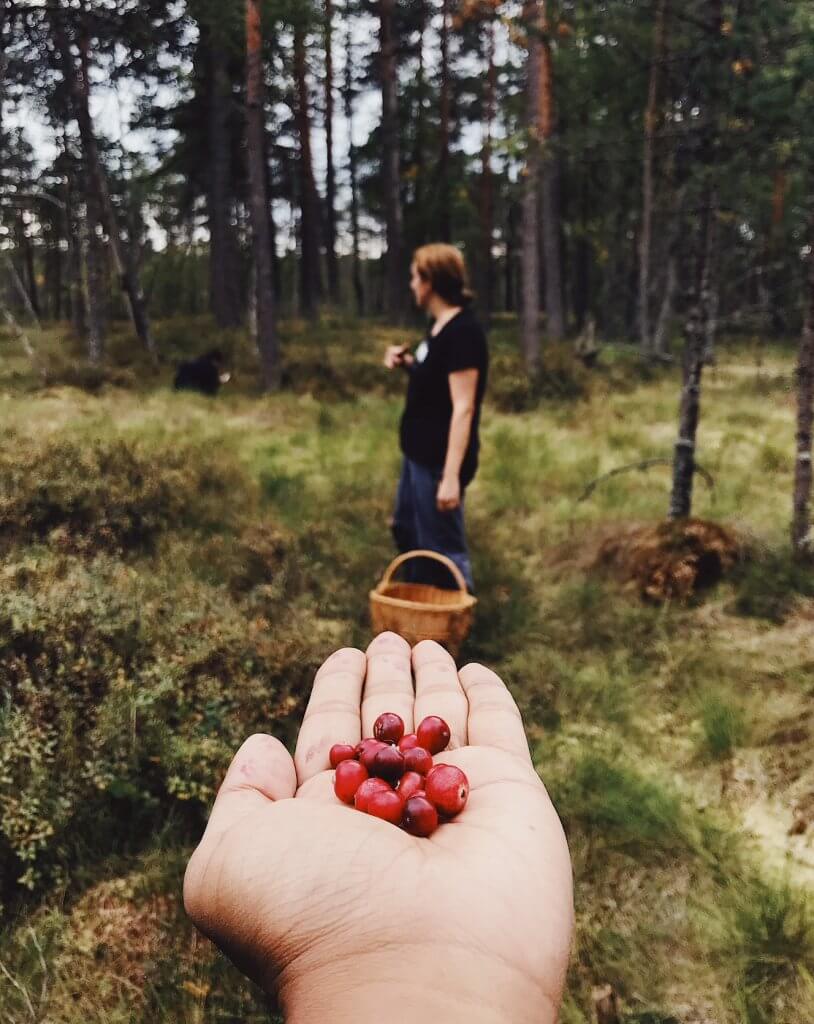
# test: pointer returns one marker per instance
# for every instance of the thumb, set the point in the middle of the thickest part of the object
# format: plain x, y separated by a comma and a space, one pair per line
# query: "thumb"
262, 771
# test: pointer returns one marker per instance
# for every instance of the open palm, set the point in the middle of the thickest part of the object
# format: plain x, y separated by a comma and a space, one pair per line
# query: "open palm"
341, 913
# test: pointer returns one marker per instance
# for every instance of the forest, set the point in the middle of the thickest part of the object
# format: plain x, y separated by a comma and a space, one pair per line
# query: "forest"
630, 183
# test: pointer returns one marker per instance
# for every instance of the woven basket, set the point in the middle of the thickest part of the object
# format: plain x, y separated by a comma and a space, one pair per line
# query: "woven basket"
419, 611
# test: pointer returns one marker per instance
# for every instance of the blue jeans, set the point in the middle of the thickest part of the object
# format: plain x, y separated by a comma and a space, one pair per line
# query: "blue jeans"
418, 523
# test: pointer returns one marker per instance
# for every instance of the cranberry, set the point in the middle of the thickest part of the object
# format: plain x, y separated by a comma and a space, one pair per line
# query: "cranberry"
420, 817
389, 728
341, 752
408, 742
409, 784
366, 791
388, 763
447, 787
417, 759
433, 734
386, 804
368, 749
348, 778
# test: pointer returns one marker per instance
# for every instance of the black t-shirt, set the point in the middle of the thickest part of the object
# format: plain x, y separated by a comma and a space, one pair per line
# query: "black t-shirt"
459, 345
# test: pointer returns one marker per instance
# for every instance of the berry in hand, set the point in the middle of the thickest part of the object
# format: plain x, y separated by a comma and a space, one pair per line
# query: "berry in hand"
341, 752
433, 734
409, 784
348, 778
368, 749
366, 791
447, 788
417, 759
408, 742
420, 817
386, 804
388, 728
388, 764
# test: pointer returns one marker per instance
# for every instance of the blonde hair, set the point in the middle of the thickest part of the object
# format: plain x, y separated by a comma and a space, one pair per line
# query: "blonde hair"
443, 268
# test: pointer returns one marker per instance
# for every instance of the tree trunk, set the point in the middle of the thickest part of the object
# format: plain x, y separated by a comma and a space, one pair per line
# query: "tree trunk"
28, 261
422, 214
391, 161
267, 343
551, 228
92, 270
310, 278
487, 204
530, 313
78, 83
444, 213
330, 198
358, 288
650, 123
224, 268
801, 518
661, 337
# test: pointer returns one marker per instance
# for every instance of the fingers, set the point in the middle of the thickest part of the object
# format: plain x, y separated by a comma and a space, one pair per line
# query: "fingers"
438, 690
389, 682
332, 715
494, 720
261, 772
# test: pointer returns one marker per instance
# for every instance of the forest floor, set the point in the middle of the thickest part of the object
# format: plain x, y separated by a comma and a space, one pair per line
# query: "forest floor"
175, 568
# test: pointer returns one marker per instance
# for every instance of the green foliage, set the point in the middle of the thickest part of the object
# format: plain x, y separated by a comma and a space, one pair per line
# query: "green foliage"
724, 725
769, 584
111, 493
770, 938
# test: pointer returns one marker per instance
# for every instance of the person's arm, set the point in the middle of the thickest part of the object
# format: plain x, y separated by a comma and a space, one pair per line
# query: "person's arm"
463, 387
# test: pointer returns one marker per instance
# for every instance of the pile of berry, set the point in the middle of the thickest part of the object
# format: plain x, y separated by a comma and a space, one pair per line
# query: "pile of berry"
392, 776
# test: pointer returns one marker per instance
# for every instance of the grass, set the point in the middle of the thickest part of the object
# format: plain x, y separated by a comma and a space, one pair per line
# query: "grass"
175, 569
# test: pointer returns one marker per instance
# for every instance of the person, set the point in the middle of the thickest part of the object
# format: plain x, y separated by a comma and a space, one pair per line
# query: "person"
447, 375
342, 917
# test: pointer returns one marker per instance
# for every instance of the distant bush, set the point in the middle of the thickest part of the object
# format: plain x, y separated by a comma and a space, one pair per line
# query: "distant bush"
561, 376
122, 701
769, 585
112, 494
90, 377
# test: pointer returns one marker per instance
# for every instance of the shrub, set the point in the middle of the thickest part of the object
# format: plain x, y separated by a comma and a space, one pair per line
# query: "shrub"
769, 584
723, 724
113, 494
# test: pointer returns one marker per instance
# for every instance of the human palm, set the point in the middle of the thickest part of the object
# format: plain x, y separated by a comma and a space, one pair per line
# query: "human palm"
339, 912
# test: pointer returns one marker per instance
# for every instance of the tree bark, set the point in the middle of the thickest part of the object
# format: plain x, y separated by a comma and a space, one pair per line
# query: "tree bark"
689, 414
92, 270
330, 197
487, 204
224, 269
310, 278
267, 342
358, 288
78, 83
444, 212
28, 260
550, 199
530, 313
801, 539
650, 123
391, 161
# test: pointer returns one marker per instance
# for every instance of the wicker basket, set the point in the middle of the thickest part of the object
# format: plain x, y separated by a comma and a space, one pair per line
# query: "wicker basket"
419, 611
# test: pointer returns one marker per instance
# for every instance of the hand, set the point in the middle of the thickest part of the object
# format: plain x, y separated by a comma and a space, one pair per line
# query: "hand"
397, 355
348, 918
448, 496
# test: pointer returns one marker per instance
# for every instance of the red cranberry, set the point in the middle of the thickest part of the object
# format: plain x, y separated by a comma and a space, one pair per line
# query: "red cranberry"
388, 763
408, 742
417, 759
368, 749
348, 778
447, 787
366, 791
341, 752
433, 734
409, 784
386, 804
420, 817
389, 728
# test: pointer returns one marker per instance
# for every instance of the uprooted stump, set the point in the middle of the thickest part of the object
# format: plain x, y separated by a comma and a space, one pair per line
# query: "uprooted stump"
673, 560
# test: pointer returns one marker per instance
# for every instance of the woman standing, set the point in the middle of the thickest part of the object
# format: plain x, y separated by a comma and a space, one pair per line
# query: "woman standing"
439, 427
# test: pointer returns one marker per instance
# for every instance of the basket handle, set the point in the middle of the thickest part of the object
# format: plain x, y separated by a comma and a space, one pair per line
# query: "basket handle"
398, 562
